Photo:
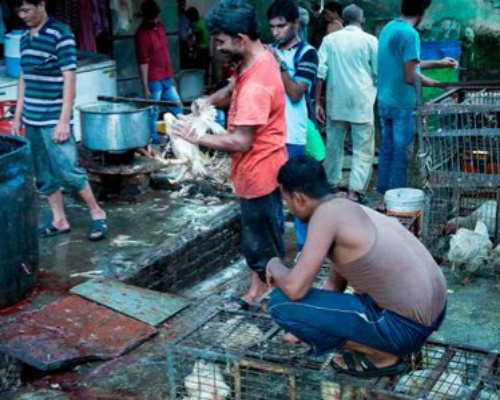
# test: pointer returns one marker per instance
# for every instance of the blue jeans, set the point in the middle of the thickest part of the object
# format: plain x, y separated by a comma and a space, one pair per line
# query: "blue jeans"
326, 320
162, 90
300, 227
398, 132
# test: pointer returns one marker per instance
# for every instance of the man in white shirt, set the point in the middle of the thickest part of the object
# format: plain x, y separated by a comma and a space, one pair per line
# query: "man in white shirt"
348, 64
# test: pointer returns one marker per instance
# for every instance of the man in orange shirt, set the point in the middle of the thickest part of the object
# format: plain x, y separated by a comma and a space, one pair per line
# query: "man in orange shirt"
256, 135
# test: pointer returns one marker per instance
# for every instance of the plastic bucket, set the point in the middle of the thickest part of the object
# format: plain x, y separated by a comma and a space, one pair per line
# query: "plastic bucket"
404, 200
12, 53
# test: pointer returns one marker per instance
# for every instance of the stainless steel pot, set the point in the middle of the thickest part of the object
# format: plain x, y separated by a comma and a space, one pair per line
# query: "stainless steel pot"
114, 127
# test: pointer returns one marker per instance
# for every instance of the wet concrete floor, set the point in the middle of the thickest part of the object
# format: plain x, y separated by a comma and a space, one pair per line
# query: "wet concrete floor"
473, 317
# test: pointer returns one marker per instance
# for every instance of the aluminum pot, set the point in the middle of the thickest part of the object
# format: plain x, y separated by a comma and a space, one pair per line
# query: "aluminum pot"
113, 126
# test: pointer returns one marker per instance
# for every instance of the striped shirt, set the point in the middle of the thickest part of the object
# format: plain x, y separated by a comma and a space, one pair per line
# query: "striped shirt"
44, 58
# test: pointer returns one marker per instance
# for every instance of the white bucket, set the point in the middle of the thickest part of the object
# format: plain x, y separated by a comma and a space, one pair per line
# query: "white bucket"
404, 200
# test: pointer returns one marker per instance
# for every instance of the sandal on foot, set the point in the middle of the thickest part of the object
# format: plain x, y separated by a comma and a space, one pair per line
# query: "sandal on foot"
237, 304
98, 229
50, 230
360, 366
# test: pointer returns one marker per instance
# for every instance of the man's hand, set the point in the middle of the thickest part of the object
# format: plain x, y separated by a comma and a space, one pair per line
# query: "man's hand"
147, 93
62, 132
16, 127
269, 271
183, 129
269, 276
198, 104
275, 55
320, 114
448, 62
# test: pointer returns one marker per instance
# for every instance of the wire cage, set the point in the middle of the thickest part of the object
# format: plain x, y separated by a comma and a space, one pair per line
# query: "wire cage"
241, 355
459, 136
448, 209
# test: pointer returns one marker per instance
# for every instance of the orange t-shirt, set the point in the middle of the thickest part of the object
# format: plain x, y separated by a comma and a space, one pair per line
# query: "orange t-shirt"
259, 100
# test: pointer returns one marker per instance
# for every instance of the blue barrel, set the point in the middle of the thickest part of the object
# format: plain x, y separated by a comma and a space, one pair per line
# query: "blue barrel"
18, 221
437, 49
12, 53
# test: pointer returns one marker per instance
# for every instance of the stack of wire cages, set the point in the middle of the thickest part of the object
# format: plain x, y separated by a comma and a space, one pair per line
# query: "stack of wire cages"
242, 355
459, 151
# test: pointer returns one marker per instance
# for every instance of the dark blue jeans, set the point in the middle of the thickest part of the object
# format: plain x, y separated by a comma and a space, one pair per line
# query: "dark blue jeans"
326, 320
398, 132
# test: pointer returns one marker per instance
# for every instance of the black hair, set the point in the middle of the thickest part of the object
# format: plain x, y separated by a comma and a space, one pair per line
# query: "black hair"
413, 8
304, 174
19, 3
286, 9
150, 9
233, 18
333, 6
192, 14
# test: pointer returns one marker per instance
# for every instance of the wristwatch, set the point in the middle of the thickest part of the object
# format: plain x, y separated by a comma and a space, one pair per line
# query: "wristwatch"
283, 66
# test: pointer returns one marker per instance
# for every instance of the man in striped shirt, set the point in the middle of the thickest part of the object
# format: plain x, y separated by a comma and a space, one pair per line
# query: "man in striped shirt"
46, 92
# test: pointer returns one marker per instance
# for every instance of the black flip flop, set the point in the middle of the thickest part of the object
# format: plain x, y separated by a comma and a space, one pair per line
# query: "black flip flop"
98, 229
50, 230
241, 304
355, 360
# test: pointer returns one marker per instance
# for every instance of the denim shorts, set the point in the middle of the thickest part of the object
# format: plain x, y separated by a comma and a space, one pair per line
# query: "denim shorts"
326, 320
56, 164
260, 231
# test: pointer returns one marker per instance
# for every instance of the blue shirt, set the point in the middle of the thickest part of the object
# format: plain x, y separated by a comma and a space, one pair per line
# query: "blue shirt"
398, 43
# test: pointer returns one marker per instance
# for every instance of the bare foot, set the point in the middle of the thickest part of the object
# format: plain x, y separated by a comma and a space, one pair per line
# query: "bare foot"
291, 339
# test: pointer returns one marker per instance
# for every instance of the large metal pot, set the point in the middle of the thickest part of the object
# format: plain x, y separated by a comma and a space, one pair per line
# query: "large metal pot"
114, 127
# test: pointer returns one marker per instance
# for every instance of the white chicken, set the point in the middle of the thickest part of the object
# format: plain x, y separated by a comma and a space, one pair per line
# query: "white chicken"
469, 250
206, 383
335, 391
486, 212
201, 121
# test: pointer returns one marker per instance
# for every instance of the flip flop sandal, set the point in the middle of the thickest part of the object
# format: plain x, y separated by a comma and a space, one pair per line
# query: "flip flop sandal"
237, 304
360, 366
98, 229
50, 230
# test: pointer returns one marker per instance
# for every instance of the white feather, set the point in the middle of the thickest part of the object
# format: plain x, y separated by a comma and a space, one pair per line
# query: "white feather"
206, 382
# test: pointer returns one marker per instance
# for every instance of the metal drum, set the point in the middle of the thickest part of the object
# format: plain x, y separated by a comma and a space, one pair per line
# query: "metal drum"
18, 221
114, 127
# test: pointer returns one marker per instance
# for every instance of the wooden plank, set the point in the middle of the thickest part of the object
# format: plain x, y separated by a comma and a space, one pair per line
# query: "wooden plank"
142, 304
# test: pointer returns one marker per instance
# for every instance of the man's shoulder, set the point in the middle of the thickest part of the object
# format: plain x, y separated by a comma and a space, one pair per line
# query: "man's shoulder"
59, 28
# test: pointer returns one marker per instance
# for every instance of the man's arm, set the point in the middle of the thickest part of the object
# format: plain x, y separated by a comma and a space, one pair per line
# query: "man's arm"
296, 282
17, 123
411, 74
446, 62
294, 90
239, 141
320, 111
63, 130
144, 72
222, 97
